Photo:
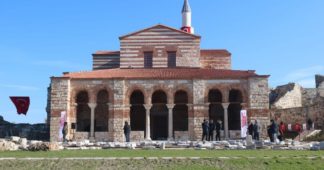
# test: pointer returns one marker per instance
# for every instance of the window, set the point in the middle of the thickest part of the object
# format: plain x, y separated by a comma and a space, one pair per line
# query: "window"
172, 59
148, 59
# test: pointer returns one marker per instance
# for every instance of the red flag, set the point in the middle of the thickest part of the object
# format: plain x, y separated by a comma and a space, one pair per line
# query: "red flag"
21, 103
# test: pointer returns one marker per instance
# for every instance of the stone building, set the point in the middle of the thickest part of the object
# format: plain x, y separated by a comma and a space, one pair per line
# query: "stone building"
292, 103
163, 83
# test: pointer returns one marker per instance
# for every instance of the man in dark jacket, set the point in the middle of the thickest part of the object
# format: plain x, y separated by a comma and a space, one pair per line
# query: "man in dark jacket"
211, 130
250, 129
127, 130
274, 130
205, 128
218, 129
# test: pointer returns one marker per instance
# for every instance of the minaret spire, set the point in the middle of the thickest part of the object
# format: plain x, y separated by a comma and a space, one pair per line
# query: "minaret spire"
186, 18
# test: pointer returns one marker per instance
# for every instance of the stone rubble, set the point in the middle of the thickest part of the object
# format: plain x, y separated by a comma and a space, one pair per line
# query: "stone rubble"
17, 143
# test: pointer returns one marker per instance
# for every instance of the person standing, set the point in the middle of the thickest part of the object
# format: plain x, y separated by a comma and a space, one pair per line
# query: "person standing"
65, 131
282, 129
250, 129
274, 130
218, 128
211, 130
205, 128
127, 130
256, 130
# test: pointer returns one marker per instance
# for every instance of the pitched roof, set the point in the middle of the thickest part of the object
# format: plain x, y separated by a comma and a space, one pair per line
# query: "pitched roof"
159, 26
186, 6
163, 73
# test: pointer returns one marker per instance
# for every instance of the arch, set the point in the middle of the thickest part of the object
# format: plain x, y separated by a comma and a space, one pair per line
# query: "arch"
186, 89
216, 110
180, 111
95, 91
137, 111
165, 89
181, 97
102, 111
234, 116
159, 116
235, 99
83, 114
215, 96
137, 97
130, 91
235, 96
159, 97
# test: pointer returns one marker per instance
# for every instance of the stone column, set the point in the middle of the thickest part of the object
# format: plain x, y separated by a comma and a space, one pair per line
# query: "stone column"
92, 107
148, 126
170, 122
226, 132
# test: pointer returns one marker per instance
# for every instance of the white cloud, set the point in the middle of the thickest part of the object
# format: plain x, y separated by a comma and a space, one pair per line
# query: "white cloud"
305, 76
20, 87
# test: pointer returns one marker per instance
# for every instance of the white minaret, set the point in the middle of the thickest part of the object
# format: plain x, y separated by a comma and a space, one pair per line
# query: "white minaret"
186, 18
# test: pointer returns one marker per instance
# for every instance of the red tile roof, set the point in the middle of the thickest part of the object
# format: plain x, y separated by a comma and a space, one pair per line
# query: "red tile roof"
214, 53
163, 73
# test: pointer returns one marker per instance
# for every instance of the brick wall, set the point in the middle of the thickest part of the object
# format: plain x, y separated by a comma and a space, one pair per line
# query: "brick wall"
159, 40
215, 59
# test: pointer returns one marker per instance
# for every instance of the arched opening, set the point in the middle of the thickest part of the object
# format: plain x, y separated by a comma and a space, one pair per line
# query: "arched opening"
159, 116
216, 111
83, 112
137, 111
102, 112
180, 111
234, 110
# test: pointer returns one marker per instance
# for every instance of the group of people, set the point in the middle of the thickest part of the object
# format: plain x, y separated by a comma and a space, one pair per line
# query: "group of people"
209, 128
254, 130
276, 131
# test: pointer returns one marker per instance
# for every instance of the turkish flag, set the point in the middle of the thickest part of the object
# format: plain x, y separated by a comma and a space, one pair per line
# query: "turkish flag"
21, 103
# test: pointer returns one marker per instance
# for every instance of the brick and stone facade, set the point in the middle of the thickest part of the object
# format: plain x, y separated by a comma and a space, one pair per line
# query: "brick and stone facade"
171, 101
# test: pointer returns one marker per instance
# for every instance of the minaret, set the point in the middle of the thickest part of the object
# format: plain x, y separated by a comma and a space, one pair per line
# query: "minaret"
186, 18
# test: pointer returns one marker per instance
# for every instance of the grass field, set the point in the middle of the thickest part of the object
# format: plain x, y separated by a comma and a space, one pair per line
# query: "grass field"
209, 159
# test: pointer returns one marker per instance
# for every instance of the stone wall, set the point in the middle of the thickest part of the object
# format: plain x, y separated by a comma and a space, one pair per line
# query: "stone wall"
288, 96
60, 99
308, 96
137, 136
254, 93
301, 114
181, 135
259, 103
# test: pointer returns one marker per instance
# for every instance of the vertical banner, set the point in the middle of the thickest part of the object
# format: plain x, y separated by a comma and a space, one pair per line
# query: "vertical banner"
62, 120
244, 124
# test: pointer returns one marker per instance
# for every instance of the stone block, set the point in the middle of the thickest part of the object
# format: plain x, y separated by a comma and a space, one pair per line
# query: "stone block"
15, 139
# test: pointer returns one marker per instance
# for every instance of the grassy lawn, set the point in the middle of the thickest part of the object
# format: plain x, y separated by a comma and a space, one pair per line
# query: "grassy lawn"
239, 159
164, 153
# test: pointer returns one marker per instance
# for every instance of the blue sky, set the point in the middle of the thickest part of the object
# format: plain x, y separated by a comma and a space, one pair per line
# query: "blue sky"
39, 39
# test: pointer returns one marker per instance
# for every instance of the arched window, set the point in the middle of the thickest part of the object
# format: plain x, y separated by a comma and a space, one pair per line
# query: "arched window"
180, 111
83, 112
234, 109
137, 111
102, 111
216, 111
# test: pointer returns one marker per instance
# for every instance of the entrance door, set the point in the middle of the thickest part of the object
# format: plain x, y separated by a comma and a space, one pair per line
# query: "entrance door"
159, 122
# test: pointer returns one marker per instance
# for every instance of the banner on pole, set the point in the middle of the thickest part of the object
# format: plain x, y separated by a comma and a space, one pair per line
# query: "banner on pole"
244, 123
62, 120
